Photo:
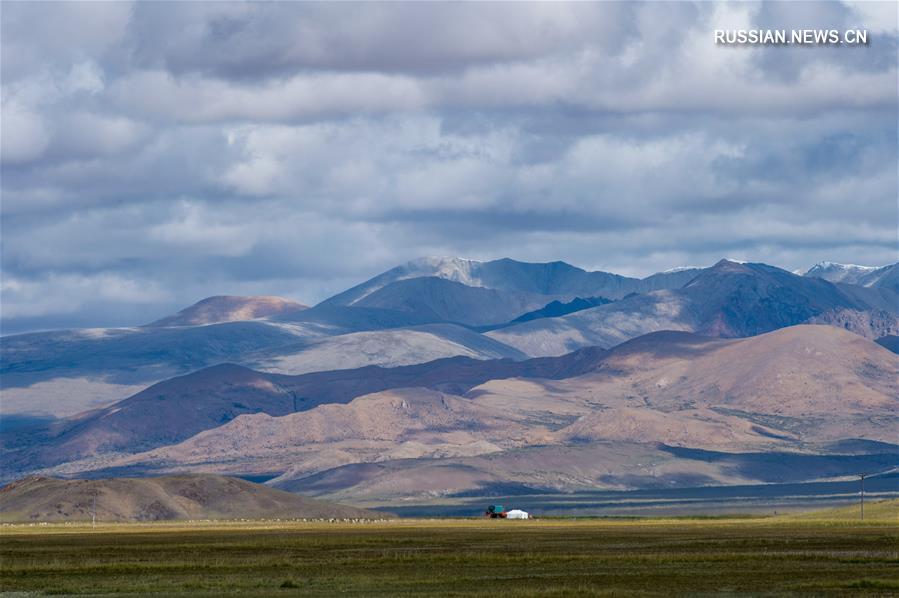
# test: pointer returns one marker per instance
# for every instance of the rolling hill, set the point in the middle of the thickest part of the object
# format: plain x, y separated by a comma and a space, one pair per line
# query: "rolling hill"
176, 409
229, 308
66, 372
160, 499
390, 348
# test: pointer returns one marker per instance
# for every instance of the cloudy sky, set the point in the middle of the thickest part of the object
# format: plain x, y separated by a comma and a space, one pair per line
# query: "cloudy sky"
157, 153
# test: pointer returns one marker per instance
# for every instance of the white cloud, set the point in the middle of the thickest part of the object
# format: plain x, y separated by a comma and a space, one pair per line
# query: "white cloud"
157, 94
24, 135
875, 16
69, 293
200, 231
296, 148
87, 134
84, 76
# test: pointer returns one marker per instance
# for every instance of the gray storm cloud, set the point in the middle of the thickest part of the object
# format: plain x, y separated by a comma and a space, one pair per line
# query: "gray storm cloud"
157, 153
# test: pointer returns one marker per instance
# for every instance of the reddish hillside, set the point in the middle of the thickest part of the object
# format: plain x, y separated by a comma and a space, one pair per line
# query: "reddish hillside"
230, 308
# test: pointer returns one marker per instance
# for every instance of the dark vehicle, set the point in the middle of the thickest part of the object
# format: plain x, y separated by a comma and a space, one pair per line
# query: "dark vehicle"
495, 512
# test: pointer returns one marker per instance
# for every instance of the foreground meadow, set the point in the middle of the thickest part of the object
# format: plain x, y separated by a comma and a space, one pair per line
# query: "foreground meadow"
458, 557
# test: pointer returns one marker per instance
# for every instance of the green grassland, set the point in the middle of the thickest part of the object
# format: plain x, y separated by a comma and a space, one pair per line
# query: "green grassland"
819, 554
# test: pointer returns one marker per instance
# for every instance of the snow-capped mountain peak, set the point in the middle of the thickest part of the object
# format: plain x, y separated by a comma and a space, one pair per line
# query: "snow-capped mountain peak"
846, 273
841, 267
457, 269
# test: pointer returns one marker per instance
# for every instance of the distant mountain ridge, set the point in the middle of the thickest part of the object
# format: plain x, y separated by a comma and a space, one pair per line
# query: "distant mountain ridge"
728, 300
552, 278
865, 276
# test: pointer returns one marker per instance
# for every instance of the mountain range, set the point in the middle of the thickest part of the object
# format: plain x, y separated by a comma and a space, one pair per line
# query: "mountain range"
728, 300
446, 376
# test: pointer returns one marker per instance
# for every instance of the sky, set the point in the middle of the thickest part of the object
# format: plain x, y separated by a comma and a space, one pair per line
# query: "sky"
157, 153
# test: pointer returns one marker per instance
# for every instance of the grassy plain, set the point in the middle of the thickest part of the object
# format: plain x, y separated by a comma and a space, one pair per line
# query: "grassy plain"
827, 553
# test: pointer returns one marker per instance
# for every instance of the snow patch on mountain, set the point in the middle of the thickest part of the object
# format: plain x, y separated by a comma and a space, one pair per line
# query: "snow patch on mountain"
847, 273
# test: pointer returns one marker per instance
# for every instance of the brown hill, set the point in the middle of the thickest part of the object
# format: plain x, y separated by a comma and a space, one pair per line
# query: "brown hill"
160, 498
230, 308
176, 409
798, 372
798, 389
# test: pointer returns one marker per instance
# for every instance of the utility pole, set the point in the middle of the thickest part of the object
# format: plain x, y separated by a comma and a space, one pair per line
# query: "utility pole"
94, 513
861, 478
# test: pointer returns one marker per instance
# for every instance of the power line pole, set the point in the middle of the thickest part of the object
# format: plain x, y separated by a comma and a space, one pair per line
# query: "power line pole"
94, 513
861, 478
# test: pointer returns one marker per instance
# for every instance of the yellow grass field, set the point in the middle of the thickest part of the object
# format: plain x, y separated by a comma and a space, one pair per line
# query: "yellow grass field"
828, 552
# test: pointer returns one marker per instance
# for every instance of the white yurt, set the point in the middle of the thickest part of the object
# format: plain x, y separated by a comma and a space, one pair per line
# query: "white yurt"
517, 514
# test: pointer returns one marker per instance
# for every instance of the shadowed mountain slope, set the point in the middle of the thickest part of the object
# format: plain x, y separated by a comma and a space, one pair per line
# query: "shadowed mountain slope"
549, 471
66, 372
176, 409
557, 308
890, 342
888, 279
126, 350
442, 300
